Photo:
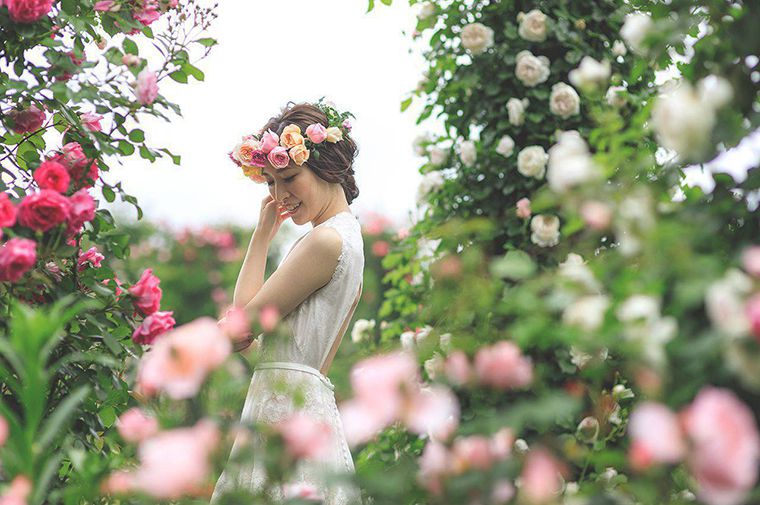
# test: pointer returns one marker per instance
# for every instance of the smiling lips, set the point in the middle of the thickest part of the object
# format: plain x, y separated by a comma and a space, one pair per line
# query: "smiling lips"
291, 209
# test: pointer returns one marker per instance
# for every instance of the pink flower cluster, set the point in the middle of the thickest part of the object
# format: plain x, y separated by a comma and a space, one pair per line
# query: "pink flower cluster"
304, 436
173, 463
17, 256
82, 171
501, 366
387, 388
146, 87
91, 257
716, 434
180, 360
146, 293
28, 11
153, 326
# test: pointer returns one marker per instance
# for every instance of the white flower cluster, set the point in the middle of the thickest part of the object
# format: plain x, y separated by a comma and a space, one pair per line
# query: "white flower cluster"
532, 25
590, 73
530, 69
430, 182
468, 153
531, 161
684, 117
570, 163
477, 38
564, 101
362, 330
725, 302
516, 110
643, 322
635, 30
545, 230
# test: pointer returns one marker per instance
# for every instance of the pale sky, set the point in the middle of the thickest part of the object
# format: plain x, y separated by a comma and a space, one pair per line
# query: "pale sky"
270, 53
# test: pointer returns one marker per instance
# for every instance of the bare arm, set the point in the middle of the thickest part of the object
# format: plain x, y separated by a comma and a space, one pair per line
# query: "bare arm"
251, 276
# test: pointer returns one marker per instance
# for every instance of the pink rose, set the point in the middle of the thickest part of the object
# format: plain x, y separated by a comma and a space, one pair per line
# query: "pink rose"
153, 326
725, 446
269, 316
130, 60
304, 436
540, 477
302, 491
91, 257
471, 452
82, 211
380, 248
52, 175
235, 324
503, 366
432, 410
596, 215
43, 210
91, 121
457, 368
347, 125
655, 436
147, 13
28, 11
751, 260
134, 425
104, 5
179, 361
17, 256
147, 87
316, 133
176, 463
7, 211
279, 157
434, 464
146, 292
18, 492
501, 443
27, 120
753, 315
269, 141
117, 287
523, 208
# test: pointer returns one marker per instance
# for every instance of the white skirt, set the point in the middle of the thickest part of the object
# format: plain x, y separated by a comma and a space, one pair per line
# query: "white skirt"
271, 397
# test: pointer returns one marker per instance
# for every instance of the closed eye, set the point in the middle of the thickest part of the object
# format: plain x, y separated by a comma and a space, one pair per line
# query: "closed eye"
287, 179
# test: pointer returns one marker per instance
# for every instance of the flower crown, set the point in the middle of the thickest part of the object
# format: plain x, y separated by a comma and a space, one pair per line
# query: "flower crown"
252, 153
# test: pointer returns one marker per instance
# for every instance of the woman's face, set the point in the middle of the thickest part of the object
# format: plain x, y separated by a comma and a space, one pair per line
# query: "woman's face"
296, 186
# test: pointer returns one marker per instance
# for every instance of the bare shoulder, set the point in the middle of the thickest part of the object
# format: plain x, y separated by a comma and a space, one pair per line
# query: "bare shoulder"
324, 242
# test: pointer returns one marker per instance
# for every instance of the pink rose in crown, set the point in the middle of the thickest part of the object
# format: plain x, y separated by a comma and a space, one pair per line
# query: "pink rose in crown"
347, 125
43, 210
91, 257
269, 141
7, 211
152, 326
17, 256
135, 425
147, 87
52, 175
279, 157
259, 159
28, 11
316, 133
725, 446
91, 121
146, 292
27, 120
82, 210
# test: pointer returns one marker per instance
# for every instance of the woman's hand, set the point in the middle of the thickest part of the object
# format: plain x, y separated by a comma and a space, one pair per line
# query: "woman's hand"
271, 217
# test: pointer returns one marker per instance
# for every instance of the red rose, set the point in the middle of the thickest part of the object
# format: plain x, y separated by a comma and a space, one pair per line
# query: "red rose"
28, 11
52, 175
82, 210
43, 210
27, 120
7, 211
17, 256
153, 326
147, 293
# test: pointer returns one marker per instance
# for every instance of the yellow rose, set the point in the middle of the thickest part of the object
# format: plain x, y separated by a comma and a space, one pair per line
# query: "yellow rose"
334, 134
299, 154
255, 173
291, 136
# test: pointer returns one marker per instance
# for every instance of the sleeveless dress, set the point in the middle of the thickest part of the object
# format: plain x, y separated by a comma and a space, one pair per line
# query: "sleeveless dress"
290, 368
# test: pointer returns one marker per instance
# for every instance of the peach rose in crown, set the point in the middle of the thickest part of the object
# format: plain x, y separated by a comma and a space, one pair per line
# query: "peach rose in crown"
291, 136
299, 154
334, 134
246, 150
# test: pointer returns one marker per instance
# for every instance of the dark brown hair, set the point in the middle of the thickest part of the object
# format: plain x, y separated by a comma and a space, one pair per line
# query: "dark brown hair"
336, 161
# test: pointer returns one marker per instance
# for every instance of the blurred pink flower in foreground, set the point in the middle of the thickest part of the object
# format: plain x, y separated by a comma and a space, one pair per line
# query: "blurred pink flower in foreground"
541, 477
502, 365
304, 436
134, 425
656, 436
302, 491
18, 492
179, 362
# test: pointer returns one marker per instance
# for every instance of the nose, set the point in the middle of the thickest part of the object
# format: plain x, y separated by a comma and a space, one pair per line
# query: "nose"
279, 192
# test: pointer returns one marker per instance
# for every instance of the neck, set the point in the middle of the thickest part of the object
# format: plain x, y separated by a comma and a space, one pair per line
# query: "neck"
335, 207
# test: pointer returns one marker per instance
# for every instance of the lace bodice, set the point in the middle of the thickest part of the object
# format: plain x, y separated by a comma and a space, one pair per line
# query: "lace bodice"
315, 323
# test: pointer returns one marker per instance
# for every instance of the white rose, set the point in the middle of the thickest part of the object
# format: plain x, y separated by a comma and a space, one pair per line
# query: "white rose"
476, 38
362, 329
530, 69
590, 73
427, 9
545, 228
725, 300
516, 109
506, 146
570, 163
617, 96
532, 25
438, 156
715, 91
639, 308
564, 101
434, 366
574, 269
468, 153
531, 161
587, 312
618, 48
635, 30
683, 121
431, 181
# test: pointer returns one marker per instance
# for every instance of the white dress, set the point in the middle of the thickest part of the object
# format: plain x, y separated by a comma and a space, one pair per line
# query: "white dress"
315, 325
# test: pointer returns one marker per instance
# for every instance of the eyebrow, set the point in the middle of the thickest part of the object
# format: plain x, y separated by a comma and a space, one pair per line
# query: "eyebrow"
282, 171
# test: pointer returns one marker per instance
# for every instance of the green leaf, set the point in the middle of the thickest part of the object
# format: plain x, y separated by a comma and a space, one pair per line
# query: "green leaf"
137, 135
130, 46
126, 148
208, 42
514, 265
55, 423
108, 194
194, 71
406, 103
371, 5
179, 76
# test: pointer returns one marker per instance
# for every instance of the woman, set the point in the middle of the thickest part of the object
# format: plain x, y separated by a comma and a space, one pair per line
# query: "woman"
316, 287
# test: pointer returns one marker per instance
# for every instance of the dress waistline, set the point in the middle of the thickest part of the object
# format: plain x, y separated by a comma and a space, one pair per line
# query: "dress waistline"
289, 365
